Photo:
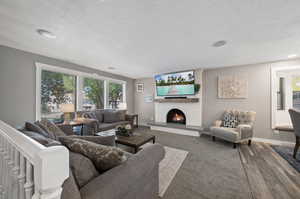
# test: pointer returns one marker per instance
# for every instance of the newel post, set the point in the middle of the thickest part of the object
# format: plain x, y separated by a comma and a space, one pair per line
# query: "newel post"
50, 171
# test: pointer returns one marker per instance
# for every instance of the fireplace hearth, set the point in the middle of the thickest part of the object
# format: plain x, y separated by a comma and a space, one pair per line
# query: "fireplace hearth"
176, 116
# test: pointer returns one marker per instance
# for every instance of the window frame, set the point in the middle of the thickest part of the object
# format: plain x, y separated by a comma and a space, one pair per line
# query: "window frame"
274, 71
79, 79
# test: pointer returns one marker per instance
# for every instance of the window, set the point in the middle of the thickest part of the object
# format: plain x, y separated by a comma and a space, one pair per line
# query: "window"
280, 94
296, 92
56, 89
115, 95
58, 86
93, 94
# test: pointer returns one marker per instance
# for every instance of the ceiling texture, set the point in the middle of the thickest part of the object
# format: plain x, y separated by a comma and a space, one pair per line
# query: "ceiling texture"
140, 38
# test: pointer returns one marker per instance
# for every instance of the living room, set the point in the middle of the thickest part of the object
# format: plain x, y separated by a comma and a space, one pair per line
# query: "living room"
97, 101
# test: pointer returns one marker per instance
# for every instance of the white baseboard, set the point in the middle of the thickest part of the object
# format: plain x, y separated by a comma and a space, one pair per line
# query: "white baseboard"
176, 131
274, 142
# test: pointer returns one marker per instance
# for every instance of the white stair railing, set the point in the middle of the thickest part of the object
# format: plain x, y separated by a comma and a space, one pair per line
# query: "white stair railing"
29, 170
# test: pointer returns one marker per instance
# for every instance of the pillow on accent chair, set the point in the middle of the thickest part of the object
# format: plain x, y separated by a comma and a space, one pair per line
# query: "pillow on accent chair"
103, 157
230, 120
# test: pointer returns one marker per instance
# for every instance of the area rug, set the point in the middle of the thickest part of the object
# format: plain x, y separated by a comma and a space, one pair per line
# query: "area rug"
169, 166
287, 153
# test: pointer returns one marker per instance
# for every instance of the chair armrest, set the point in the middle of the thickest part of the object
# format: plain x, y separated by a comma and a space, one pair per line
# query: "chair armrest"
217, 123
103, 140
245, 131
91, 125
117, 182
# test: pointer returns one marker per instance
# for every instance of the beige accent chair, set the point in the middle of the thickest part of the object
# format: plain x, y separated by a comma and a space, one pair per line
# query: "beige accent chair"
242, 132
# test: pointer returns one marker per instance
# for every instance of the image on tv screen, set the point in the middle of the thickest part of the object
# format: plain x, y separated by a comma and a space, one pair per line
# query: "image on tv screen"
181, 83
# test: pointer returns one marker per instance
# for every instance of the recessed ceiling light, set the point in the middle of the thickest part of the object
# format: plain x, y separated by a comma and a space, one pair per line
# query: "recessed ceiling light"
292, 56
219, 43
46, 33
111, 68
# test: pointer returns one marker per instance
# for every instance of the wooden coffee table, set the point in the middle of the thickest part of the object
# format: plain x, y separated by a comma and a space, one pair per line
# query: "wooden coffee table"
135, 141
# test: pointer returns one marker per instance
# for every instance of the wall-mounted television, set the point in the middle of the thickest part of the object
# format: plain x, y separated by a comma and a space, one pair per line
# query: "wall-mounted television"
175, 84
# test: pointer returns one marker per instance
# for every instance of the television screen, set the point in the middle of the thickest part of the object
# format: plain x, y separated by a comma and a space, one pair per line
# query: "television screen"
181, 83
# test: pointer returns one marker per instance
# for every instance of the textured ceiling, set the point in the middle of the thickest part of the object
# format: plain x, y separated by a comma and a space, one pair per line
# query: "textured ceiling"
141, 38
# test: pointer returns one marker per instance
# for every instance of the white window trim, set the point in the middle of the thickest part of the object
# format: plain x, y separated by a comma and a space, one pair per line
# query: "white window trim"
274, 70
79, 75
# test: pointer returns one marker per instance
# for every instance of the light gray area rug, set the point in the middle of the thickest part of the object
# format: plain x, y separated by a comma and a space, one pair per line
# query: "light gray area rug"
211, 170
169, 166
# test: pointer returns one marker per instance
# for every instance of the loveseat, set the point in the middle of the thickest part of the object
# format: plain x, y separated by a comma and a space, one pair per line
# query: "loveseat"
135, 178
106, 119
235, 126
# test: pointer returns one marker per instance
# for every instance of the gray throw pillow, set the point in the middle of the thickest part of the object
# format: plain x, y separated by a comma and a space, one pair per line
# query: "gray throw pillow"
111, 117
121, 115
35, 128
70, 188
47, 142
53, 130
103, 157
82, 168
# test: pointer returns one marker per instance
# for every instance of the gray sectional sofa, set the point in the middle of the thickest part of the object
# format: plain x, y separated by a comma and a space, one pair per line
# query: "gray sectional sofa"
135, 178
106, 119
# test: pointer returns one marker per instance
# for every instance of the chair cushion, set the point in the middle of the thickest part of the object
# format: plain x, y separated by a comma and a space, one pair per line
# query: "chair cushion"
246, 117
230, 120
103, 157
229, 134
82, 168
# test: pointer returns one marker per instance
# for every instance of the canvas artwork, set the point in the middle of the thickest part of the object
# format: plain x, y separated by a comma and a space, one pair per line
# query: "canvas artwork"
232, 87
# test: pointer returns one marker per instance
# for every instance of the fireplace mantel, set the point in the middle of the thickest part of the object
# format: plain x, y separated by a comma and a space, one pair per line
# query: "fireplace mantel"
178, 100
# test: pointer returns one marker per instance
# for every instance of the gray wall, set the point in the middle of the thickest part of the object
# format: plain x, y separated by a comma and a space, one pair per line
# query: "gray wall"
259, 97
145, 109
17, 83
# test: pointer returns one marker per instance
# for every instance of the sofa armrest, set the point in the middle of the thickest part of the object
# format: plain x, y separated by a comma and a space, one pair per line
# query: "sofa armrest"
117, 182
245, 131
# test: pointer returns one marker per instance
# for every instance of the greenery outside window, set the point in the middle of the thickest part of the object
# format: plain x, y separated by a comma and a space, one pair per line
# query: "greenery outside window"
56, 89
115, 95
93, 97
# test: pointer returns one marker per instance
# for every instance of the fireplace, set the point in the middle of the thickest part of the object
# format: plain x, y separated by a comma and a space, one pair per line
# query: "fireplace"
176, 116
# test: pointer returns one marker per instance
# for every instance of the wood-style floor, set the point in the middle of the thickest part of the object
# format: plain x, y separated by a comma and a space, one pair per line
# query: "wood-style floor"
268, 174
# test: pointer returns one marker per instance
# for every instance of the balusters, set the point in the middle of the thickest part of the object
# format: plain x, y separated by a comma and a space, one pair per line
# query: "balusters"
29, 180
16, 171
5, 169
10, 170
21, 177
1, 167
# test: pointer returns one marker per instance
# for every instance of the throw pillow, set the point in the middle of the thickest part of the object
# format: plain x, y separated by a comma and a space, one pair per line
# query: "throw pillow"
103, 157
47, 142
82, 168
121, 115
111, 117
35, 128
70, 188
230, 120
52, 129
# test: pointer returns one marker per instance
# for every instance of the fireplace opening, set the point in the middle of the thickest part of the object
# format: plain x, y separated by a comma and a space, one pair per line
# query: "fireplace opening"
176, 116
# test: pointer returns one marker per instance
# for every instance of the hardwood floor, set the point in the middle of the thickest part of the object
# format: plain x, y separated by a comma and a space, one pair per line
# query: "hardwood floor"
268, 174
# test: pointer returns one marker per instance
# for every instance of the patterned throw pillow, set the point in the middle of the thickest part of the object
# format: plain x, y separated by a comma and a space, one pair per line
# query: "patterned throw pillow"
230, 120
53, 130
103, 157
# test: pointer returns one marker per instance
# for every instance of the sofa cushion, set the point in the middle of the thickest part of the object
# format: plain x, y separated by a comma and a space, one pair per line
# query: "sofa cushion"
53, 130
230, 120
41, 139
99, 115
70, 188
111, 116
229, 134
108, 126
82, 168
35, 128
103, 157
